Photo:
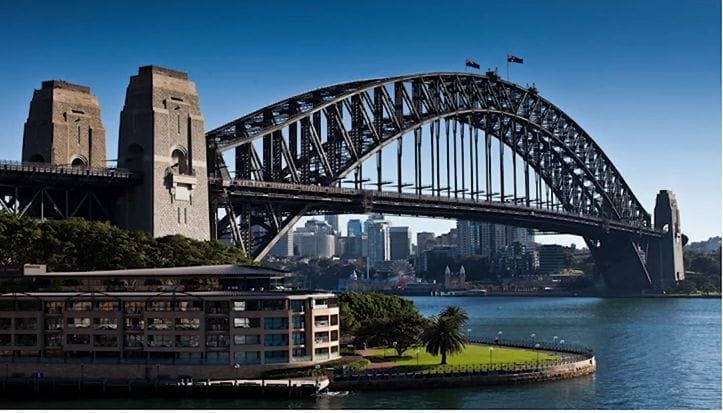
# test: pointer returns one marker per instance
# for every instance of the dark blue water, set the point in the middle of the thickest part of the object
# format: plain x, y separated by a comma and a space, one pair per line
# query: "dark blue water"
651, 354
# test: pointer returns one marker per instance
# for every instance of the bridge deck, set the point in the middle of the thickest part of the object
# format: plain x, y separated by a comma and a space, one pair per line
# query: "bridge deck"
38, 174
349, 200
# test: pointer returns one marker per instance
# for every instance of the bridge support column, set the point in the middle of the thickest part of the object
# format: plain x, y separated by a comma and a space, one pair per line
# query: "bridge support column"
665, 259
620, 262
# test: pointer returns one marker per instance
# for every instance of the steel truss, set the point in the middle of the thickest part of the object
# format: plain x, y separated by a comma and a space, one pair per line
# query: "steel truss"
323, 136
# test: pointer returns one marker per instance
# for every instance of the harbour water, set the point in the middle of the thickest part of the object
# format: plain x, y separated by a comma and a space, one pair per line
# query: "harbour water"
652, 353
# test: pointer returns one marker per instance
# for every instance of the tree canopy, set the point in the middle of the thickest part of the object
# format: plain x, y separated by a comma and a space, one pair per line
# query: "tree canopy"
79, 245
444, 334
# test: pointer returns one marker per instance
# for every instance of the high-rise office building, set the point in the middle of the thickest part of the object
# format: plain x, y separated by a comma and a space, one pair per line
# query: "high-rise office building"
485, 239
285, 246
400, 243
378, 239
333, 221
425, 240
354, 228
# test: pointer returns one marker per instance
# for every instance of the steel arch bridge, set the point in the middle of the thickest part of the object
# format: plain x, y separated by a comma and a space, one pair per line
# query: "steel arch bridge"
482, 149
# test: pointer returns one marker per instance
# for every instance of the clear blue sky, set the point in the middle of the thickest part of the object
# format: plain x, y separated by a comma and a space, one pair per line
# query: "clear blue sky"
642, 77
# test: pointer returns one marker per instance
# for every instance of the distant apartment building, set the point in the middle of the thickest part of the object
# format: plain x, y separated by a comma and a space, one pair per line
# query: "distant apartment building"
333, 221
425, 240
552, 259
315, 240
400, 243
285, 246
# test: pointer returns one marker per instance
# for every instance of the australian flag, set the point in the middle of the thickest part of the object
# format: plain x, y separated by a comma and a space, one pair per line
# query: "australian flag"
513, 59
471, 63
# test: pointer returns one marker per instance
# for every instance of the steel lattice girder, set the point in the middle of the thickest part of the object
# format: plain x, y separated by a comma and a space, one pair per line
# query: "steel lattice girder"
572, 165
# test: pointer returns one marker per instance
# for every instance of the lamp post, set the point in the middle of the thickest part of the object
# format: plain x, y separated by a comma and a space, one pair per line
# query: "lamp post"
394, 346
499, 336
417, 356
537, 348
236, 367
554, 339
469, 331
491, 348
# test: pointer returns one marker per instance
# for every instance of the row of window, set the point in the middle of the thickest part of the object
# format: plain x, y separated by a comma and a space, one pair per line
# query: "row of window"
160, 323
56, 307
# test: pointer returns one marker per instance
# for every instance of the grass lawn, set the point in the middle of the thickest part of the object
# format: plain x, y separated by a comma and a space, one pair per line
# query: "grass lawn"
473, 354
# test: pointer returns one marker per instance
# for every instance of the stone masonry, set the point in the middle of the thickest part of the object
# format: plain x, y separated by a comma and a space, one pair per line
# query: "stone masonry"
64, 127
161, 136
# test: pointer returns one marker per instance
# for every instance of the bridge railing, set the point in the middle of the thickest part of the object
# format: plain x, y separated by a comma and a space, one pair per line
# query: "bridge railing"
8, 165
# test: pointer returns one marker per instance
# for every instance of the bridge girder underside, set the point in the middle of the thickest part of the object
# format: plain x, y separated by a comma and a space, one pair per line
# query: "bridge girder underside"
321, 137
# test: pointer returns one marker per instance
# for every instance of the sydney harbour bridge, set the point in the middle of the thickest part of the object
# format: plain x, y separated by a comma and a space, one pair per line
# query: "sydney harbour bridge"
443, 145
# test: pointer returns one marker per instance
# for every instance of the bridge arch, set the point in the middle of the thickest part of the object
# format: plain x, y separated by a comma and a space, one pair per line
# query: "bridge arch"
322, 136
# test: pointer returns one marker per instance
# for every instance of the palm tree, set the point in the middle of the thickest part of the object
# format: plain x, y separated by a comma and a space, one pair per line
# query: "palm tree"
443, 336
455, 313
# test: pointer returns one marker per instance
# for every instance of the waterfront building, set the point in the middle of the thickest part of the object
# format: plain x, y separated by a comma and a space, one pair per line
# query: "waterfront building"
400, 243
219, 321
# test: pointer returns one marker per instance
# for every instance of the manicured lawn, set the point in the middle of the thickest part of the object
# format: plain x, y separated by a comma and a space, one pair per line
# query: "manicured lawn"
473, 354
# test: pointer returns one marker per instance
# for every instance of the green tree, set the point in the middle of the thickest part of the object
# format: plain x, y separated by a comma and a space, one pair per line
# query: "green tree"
17, 238
457, 314
443, 336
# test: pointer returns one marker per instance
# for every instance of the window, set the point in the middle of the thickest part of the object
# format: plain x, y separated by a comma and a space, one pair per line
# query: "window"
298, 306
54, 307
217, 340
298, 338
134, 324
7, 305
159, 306
276, 340
80, 305
160, 341
321, 351
5, 323
335, 335
248, 305
276, 323
334, 319
159, 323
26, 323
277, 356
5, 339
247, 357
321, 321
298, 321
321, 337
243, 322
188, 323
188, 341
26, 340
134, 340
54, 340
217, 307
246, 339
29, 305
106, 323
105, 340
189, 305
217, 357
108, 306
54, 323
134, 307
298, 352
217, 324
78, 339
79, 322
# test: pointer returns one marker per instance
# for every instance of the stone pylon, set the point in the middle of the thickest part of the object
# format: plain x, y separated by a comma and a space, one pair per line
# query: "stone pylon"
64, 126
162, 137
666, 258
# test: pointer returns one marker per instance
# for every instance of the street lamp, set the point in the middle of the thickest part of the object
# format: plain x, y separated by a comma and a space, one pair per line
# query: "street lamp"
554, 339
499, 336
491, 348
562, 341
316, 375
236, 367
417, 356
537, 348
394, 346
469, 330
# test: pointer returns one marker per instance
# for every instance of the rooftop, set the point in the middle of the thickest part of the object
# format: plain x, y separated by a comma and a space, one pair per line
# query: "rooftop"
245, 271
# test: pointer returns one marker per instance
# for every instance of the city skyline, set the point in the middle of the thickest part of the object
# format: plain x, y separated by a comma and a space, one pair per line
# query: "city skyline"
615, 80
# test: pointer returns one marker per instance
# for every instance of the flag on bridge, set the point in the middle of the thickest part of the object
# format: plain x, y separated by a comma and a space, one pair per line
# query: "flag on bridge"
471, 63
513, 59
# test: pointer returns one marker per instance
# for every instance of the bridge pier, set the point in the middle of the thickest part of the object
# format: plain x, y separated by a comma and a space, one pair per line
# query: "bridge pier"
665, 260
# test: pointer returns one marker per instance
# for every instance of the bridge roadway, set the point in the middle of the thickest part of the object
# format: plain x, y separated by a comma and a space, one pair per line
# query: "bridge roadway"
349, 200
38, 174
